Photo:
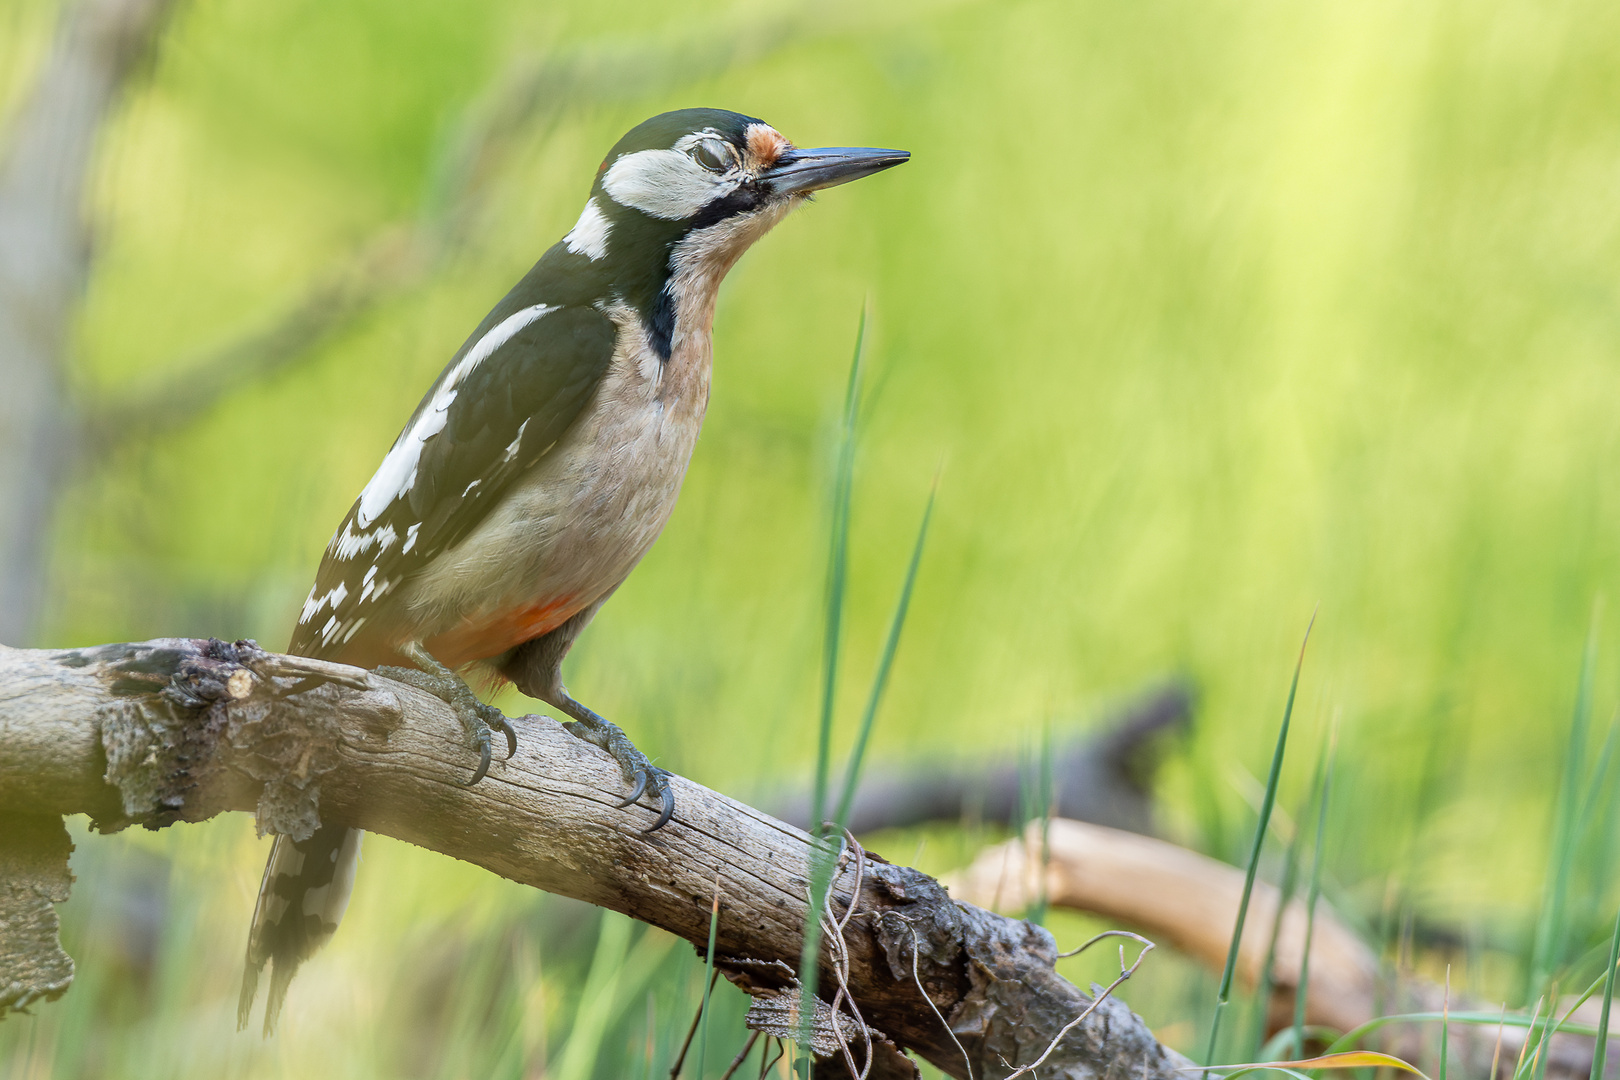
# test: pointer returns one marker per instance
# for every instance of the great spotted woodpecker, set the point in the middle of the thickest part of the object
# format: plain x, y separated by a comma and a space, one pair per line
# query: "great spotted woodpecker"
539, 468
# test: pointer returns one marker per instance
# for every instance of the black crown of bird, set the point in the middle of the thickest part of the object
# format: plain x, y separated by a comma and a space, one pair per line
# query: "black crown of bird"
538, 469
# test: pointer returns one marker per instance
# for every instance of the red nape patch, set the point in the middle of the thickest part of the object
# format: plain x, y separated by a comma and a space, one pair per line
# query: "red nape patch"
764, 144
491, 637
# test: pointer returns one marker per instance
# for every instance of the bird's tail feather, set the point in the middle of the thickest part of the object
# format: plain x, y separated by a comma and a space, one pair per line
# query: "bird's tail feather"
303, 895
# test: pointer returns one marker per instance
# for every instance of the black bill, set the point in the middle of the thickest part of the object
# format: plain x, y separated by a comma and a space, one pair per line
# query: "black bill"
829, 166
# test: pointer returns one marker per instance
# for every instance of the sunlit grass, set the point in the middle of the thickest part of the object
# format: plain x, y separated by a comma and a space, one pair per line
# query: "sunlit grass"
1262, 824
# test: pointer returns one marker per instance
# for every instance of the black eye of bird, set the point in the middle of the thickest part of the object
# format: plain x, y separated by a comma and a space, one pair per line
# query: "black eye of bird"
713, 155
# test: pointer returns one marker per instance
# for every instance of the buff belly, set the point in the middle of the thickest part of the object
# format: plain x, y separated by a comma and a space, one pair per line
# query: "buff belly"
574, 527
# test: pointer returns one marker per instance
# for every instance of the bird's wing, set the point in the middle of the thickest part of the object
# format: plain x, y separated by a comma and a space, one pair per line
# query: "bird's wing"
511, 392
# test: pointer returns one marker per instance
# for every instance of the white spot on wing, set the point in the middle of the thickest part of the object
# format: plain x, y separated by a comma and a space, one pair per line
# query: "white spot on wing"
397, 473
313, 606
665, 183
589, 235
346, 545
410, 537
516, 444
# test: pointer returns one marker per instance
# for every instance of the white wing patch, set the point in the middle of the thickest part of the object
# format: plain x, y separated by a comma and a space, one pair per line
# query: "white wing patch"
665, 183
313, 606
397, 474
590, 234
516, 444
347, 544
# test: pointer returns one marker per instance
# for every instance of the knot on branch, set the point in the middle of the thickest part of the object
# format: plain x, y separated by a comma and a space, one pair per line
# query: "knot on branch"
192, 713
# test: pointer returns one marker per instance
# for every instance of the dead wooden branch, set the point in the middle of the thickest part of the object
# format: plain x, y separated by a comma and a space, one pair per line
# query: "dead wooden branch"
1190, 902
181, 730
1105, 777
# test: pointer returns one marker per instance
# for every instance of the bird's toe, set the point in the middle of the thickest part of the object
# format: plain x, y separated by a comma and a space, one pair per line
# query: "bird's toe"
481, 743
642, 776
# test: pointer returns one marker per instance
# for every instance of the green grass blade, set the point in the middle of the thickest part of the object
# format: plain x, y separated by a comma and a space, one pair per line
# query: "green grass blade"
1476, 1019
1549, 1026
1277, 1049
880, 680
821, 855
708, 979
1445, 1027
1325, 787
1548, 951
837, 578
1600, 813
1046, 792
1225, 993
1601, 1052
1285, 896
1600, 773
578, 1061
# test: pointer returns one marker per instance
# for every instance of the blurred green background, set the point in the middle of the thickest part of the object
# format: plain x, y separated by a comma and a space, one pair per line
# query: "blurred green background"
1206, 313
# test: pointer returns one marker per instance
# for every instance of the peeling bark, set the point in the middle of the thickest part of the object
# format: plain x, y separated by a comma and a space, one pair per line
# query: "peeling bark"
34, 878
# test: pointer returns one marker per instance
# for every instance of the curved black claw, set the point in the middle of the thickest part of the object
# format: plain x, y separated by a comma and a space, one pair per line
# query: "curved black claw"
483, 760
642, 776
666, 813
646, 776
497, 720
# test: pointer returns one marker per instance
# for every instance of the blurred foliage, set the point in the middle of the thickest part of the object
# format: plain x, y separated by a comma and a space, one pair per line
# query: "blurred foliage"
1211, 312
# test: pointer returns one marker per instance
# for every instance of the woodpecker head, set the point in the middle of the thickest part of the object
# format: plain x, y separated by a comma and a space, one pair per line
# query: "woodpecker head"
683, 195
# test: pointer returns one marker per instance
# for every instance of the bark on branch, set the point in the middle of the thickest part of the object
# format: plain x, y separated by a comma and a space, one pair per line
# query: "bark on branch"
181, 730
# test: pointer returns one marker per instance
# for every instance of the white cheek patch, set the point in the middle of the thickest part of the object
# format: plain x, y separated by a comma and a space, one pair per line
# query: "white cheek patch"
589, 235
397, 474
665, 183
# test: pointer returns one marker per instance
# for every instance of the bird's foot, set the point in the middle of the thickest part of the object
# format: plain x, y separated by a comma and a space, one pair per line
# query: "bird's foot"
478, 720
645, 777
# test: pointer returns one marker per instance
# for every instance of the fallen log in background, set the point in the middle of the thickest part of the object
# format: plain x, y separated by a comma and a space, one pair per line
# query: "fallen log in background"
180, 730
1189, 902
1104, 776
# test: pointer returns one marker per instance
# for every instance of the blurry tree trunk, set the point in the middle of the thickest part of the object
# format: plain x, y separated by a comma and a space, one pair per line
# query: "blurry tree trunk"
44, 254
181, 730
